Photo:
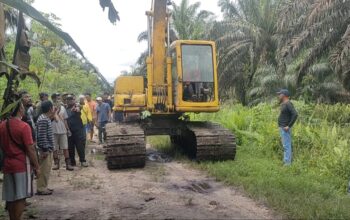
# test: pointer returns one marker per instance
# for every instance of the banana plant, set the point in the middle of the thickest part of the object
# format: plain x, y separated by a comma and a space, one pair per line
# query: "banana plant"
15, 73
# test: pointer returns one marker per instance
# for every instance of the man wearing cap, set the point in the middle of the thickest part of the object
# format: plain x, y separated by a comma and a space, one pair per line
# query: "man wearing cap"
77, 138
103, 111
286, 120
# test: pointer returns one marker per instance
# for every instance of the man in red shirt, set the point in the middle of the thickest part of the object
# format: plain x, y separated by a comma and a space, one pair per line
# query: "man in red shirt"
17, 144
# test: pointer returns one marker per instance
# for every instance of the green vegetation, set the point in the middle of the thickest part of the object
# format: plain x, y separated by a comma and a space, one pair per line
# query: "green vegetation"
267, 44
2, 211
163, 144
58, 68
263, 45
55, 62
315, 185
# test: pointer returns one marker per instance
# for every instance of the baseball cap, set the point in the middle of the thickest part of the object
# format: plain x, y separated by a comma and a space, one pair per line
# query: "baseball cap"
284, 92
98, 99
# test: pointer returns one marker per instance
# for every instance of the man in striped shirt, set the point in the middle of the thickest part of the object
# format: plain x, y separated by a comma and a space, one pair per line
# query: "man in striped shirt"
45, 142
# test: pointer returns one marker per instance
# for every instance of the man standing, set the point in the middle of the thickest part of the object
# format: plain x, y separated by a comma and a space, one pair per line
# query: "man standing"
92, 106
60, 131
103, 111
46, 147
19, 150
77, 139
43, 97
86, 115
286, 120
29, 112
107, 99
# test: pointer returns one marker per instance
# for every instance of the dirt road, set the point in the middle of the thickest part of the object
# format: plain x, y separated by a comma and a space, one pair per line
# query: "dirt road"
159, 191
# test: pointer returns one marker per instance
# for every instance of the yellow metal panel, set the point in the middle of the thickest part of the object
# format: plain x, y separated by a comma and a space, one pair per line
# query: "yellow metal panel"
129, 94
150, 83
170, 84
136, 100
198, 109
129, 85
129, 109
158, 44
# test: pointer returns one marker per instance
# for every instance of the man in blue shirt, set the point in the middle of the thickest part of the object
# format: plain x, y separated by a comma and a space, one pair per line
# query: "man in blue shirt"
103, 111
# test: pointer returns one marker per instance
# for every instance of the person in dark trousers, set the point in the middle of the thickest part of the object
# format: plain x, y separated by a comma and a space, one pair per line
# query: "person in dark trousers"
78, 138
103, 111
20, 159
286, 120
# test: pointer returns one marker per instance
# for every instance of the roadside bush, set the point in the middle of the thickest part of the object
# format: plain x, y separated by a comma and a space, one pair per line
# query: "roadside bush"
315, 185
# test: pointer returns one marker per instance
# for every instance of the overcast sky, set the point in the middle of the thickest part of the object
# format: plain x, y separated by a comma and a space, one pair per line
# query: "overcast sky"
111, 48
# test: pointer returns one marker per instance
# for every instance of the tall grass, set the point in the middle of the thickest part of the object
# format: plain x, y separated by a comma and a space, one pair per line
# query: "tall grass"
315, 185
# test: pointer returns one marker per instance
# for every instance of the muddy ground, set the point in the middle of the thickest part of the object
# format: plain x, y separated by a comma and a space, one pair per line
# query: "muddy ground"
159, 191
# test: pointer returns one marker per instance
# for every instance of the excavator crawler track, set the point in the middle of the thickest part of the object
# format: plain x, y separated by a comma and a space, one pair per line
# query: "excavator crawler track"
207, 141
125, 146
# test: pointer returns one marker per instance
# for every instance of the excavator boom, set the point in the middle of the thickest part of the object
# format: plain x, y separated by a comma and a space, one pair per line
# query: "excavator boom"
181, 78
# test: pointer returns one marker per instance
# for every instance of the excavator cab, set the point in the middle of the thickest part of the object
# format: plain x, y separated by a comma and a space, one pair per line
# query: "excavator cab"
194, 76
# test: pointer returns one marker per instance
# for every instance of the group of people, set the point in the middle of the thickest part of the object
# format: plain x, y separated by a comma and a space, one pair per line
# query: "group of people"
35, 136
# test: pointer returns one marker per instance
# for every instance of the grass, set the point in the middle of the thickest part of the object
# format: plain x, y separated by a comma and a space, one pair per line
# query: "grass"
3, 214
293, 192
163, 144
315, 186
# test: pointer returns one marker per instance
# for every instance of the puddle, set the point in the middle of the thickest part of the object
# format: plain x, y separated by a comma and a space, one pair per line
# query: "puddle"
155, 156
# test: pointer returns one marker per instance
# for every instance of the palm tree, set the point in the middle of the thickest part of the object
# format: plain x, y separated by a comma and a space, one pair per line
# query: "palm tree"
246, 39
322, 85
189, 22
323, 26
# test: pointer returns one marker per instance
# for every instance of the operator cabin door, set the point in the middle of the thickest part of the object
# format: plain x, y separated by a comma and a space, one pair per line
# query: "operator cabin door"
197, 84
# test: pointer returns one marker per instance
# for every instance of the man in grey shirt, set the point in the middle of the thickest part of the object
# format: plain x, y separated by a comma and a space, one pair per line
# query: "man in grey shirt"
61, 133
103, 111
286, 120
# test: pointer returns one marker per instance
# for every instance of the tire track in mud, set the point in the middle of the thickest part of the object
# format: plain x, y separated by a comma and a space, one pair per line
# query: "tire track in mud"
159, 191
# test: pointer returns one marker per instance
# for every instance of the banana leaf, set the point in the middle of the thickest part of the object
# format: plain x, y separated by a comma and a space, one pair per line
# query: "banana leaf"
10, 65
36, 15
9, 108
32, 75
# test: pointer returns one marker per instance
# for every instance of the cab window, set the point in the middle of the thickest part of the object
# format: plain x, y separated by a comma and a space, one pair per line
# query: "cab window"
198, 73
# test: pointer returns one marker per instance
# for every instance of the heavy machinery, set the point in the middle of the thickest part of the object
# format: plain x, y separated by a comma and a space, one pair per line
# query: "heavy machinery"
181, 78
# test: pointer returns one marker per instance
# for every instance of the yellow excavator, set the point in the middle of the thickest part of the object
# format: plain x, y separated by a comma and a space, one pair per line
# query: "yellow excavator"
181, 78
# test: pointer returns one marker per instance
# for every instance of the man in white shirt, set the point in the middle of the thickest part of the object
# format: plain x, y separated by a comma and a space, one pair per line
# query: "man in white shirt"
61, 132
